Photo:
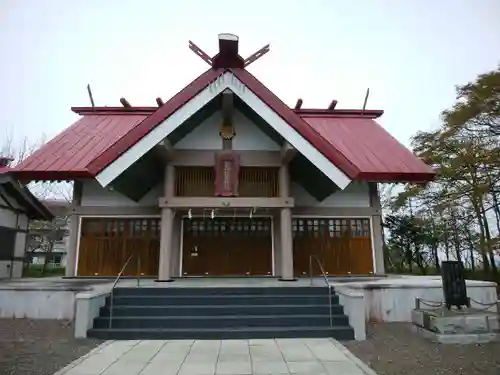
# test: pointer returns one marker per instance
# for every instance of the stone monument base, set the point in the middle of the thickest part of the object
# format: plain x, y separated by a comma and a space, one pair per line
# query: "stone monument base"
466, 326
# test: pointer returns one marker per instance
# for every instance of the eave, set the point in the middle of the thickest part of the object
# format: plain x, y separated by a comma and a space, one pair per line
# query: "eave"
309, 112
27, 176
113, 110
348, 113
34, 208
390, 177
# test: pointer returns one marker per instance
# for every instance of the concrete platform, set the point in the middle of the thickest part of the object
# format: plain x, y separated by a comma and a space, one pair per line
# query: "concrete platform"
51, 283
378, 298
392, 299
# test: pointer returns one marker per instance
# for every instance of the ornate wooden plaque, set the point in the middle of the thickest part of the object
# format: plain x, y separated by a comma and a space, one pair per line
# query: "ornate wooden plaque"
227, 169
454, 288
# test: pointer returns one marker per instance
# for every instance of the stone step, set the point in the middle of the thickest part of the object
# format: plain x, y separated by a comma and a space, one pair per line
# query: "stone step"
221, 321
211, 310
211, 291
238, 299
217, 313
339, 333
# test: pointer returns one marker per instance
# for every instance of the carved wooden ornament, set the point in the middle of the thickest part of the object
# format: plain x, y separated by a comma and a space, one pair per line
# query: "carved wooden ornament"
226, 131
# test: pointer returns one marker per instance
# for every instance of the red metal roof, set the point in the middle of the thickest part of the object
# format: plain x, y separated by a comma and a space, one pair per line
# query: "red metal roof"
295, 121
69, 154
152, 121
375, 153
350, 139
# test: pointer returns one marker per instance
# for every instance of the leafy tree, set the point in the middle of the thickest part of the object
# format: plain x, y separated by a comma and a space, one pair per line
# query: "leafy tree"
458, 215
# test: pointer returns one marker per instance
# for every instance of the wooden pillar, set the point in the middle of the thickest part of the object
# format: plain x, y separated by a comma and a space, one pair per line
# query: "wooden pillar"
167, 222
377, 230
286, 239
72, 247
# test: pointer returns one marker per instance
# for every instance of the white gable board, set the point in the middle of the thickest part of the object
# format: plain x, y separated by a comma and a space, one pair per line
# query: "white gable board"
226, 81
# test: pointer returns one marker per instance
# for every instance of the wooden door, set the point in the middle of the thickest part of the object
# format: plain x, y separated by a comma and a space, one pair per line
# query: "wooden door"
361, 247
226, 247
107, 243
343, 246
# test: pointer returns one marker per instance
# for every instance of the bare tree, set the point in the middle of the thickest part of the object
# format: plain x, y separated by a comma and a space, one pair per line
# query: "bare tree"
19, 152
42, 235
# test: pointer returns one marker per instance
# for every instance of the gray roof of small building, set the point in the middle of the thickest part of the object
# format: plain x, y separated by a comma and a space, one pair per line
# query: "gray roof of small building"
33, 207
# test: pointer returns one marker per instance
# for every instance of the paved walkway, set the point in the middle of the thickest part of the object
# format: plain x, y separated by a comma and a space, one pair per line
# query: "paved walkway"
226, 357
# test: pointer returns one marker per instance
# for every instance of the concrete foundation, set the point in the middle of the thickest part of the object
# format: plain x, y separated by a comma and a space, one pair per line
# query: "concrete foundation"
466, 326
383, 299
392, 298
50, 298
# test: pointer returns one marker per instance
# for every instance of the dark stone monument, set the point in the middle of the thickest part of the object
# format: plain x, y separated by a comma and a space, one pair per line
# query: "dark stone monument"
455, 291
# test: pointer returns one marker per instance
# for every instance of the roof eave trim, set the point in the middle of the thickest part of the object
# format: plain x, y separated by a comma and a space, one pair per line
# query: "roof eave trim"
24, 174
30, 201
360, 113
398, 177
225, 81
113, 110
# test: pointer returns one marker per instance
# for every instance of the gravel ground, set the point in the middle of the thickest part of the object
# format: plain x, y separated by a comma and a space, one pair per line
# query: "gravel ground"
41, 347
393, 349
38, 347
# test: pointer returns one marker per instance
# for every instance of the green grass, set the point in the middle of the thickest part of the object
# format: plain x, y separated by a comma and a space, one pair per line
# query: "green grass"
36, 270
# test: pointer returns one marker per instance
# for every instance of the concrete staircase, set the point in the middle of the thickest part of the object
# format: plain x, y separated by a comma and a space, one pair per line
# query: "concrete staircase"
221, 313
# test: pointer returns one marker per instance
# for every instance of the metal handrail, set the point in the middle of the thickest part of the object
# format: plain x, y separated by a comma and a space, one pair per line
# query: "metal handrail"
113, 289
138, 270
311, 257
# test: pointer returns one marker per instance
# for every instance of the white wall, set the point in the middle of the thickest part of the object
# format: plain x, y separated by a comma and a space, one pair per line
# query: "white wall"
16, 221
206, 136
356, 194
7, 218
250, 137
37, 304
94, 194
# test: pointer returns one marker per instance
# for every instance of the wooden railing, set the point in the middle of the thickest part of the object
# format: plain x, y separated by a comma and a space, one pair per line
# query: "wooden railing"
194, 181
258, 182
253, 182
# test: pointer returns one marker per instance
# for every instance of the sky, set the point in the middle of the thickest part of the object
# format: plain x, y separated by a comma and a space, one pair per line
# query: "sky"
409, 53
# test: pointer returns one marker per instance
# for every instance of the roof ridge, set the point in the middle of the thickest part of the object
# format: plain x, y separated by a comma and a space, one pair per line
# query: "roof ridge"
146, 110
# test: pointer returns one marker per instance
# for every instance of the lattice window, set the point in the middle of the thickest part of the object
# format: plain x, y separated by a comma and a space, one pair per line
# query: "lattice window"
116, 228
194, 181
227, 226
258, 182
313, 227
360, 228
340, 227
